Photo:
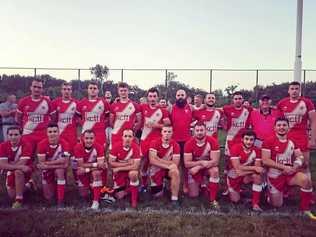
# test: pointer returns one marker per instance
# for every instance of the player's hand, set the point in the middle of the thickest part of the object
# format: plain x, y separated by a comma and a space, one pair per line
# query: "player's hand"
259, 169
194, 170
288, 170
130, 162
41, 166
81, 171
25, 168
102, 165
239, 172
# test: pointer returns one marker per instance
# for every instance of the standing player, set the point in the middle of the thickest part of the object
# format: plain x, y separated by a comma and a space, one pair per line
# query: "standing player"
93, 111
53, 157
91, 164
64, 114
211, 116
125, 161
181, 118
125, 114
300, 111
164, 158
244, 168
15, 158
284, 160
198, 102
201, 158
33, 113
153, 117
237, 118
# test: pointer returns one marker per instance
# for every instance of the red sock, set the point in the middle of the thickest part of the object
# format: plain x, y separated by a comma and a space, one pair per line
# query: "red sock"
19, 199
60, 190
255, 198
306, 197
96, 193
213, 189
134, 195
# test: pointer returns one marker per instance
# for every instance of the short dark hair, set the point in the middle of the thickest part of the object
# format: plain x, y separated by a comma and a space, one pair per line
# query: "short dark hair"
122, 85
38, 79
153, 90
66, 83
93, 82
249, 133
14, 128
52, 125
237, 93
199, 123
88, 131
295, 83
284, 119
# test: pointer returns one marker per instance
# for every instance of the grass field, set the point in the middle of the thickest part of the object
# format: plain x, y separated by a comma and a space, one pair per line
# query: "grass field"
154, 217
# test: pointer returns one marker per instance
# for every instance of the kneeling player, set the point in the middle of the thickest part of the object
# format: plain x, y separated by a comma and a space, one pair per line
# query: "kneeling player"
53, 157
284, 160
164, 158
15, 158
90, 157
201, 157
125, 161
245, 167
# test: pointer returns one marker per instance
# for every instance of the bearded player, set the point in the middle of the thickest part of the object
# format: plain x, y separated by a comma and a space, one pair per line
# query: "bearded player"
164, 159
125, 161
245, 167
53, 160
284, 161
15, 159
201, 158
91, 165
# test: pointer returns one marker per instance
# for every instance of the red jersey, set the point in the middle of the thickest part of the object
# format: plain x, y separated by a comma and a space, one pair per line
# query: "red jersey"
210, 118
296, 113
245, 158
181, 119
237, 121
35, 114
263, 125
66, 116
89, 156
165, 152
124, 117
153, 115
122, 155
13, 154
203, 151
281, 153
53, 152
93, 114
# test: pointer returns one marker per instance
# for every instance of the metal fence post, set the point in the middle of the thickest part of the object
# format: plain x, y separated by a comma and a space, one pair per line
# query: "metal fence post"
34, 72
122, 75
211, 80
304, 81
79, 80
257, 83
166, 83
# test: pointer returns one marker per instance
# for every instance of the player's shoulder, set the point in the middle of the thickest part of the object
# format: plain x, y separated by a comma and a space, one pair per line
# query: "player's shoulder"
156, 142
283, 101
43, 144
63, 142
5, 145
46, 97
25, 100
237, 148
212, 140
117, 146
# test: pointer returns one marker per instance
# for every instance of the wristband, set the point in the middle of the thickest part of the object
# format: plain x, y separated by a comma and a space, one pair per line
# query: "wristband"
95, 165
87, 170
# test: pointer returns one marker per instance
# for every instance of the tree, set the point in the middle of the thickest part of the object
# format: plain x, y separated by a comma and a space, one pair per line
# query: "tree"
230, 89
100, 73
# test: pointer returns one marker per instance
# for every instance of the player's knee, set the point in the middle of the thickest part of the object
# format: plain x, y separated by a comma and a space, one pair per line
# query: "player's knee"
214, 172
133, 175
257, 179
305, 181
60, 173
174, 173
18, 173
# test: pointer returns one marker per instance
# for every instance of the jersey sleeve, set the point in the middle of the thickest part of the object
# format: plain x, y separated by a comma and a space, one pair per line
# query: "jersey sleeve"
267, 144
77, 151
27, 150
214, 144
21, 105
258, 154
100, 151
113, 151
53, 106
165, 113
154, 145
176, 149
235, 152
42, 148
310, 106
136, 151
3, 154
188, 148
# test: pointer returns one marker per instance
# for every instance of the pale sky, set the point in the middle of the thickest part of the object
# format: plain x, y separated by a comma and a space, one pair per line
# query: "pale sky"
147, 34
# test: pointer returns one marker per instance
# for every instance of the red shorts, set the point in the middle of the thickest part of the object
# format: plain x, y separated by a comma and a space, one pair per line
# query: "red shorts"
48, 176
120, 179
157, 175
301, 140
10, 180
277, 185
86, 179
198, 177
234, 184
34, 138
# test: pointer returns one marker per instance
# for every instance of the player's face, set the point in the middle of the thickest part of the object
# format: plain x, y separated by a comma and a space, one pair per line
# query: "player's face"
248, 141
123, 92
199, 132
93, 91
181, 94
108, 95
166, 133
36, 88
281, 128
238, 101
14, 136
127, 137
152, 98
265, 104
52, 134
66, 91
88, 139
294, 91
163, 103
197, 101
210, 100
